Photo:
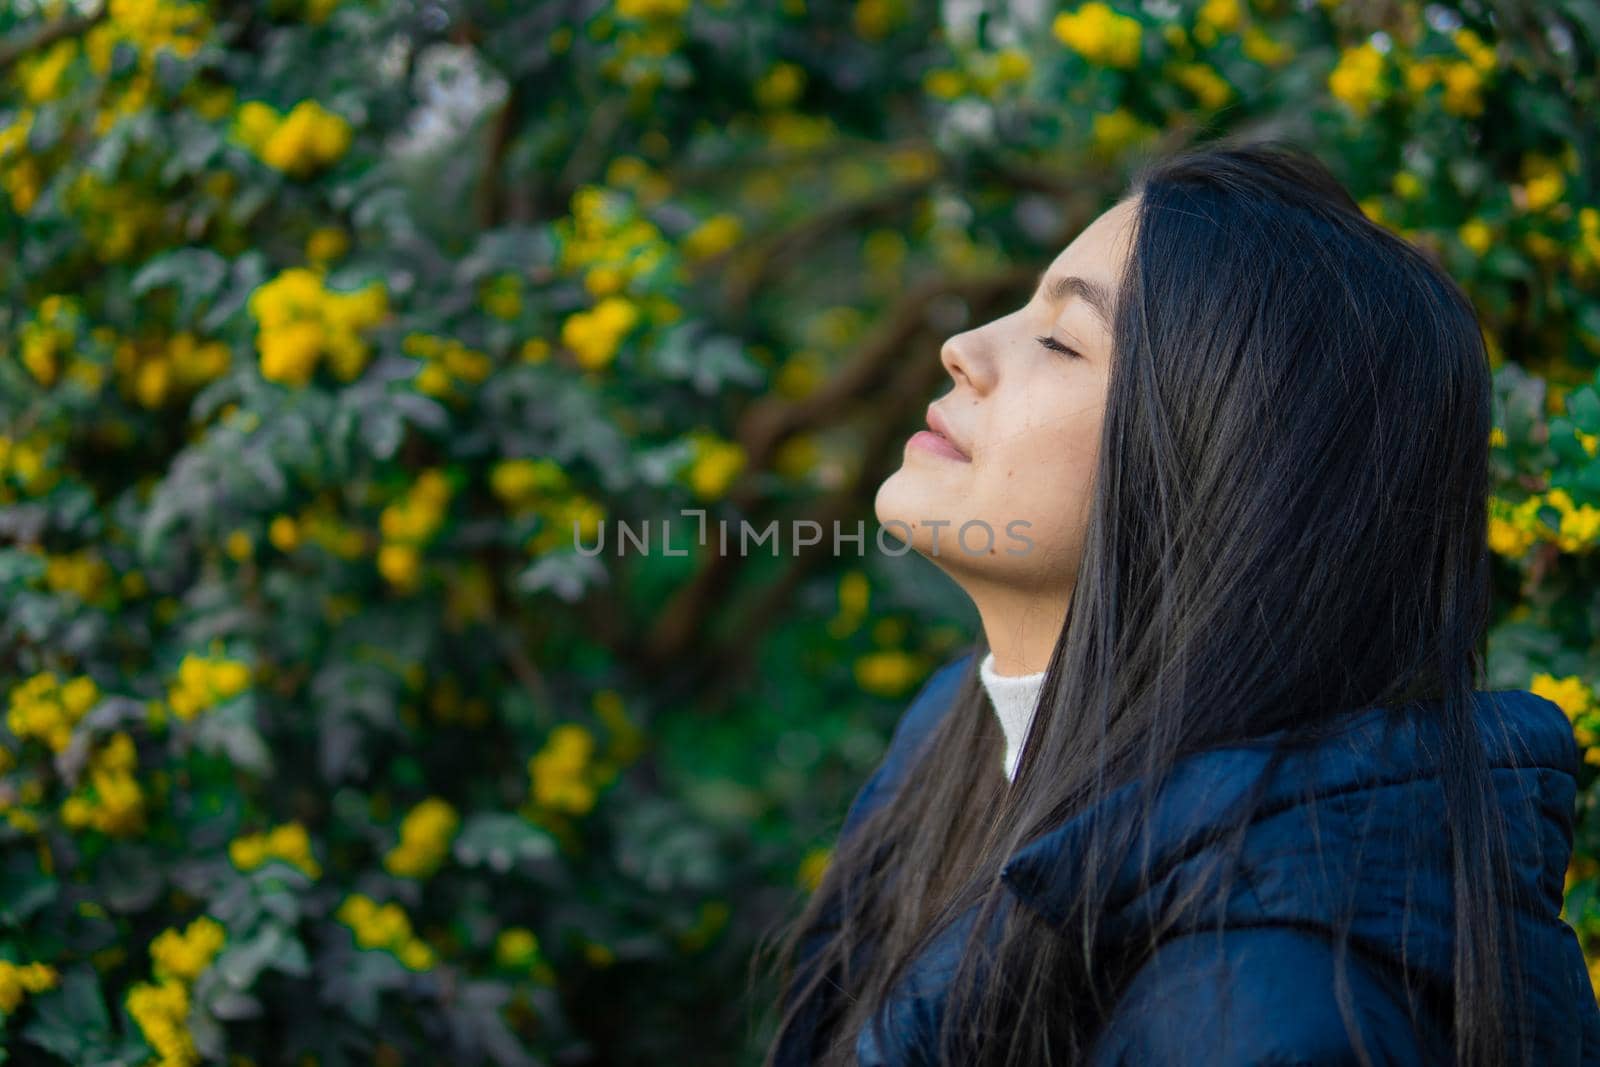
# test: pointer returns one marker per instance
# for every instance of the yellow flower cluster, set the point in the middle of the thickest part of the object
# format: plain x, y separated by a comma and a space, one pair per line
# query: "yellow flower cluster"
1543, 182
447, 363
1476, 235
184, 955
408, 524
595, 335
1357, 79
813, 865
781, 85
42, 76
204, 682
49, 336
608, 241
149, 27
516, 948
17, 979
1100, 35
299, 143
82, 573
562, 774
326, 244
301, 321
161, 1008
988, 73
1461, 79
1219, 16
385, 926
46, 708
116, 218
425, 835
1202, 79
501, 295
888, 672
1578, 701
541, 486
1514, 528
712, 237
24, 465
714, 464
162, 1011
651, 9
152, 372
1114, 131
21, 174
1588, 257
320, 524
873, 20
1266, 49
288, 842
111, 800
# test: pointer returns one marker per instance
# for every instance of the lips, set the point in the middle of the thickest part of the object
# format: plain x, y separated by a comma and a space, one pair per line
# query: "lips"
937, 424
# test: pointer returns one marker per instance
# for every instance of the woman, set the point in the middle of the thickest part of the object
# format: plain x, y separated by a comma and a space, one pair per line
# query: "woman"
1242, 802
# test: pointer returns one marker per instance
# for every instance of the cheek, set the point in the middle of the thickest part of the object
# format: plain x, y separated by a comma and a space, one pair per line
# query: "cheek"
1042, 469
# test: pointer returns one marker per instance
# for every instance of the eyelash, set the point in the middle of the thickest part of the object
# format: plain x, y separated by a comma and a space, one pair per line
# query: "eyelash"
1056, 346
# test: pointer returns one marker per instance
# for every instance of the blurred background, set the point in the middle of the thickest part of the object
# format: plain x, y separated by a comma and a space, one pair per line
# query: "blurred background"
325, 321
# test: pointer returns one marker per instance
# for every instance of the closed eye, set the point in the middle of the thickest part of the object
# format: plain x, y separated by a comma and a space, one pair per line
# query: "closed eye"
1056, 346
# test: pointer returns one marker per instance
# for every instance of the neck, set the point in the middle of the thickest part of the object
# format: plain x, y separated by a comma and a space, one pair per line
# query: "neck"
1021, 626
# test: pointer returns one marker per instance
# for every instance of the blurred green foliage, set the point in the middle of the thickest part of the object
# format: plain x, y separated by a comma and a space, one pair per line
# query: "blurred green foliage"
325, 324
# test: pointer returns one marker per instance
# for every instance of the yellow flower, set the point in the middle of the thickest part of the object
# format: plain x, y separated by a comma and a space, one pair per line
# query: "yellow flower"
812, 867
1204, 82
400, 565
519, 482
299, 143
944, 83
1265, 49
17, 979
560, 771
284, 533
712, 237
1112, 131
780, 86
44, 708
203, 682
516, 948
715, 465
162, 1011
326, 243
185, 955
888, 673
501, 296
425, 835
1543, 182
1357, 79
1099, 34
1570, 693
1222, 15
1476, 235
595, 335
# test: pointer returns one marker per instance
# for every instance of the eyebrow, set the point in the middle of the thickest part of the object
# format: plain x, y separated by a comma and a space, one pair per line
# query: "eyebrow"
1096, 295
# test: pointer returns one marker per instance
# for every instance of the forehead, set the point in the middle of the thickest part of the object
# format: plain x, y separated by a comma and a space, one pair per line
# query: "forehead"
1099, 249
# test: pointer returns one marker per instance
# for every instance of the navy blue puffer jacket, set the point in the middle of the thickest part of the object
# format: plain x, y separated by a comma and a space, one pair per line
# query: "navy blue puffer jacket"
1263, 993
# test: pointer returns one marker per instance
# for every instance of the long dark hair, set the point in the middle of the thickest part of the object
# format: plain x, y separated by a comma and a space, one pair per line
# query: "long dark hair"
1288, 523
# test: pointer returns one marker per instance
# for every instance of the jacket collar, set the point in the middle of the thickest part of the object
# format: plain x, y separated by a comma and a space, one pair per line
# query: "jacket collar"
1377, 756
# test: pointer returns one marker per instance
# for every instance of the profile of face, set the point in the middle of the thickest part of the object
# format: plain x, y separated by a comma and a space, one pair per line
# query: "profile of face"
1013, 446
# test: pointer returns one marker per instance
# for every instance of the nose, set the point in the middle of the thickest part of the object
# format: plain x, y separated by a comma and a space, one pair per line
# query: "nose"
963, 361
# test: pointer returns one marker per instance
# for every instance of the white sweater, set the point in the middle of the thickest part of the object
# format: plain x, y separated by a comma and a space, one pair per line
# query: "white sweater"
1014, 698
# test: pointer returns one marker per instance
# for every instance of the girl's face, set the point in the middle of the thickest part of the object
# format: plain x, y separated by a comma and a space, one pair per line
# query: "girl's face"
1021, 429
